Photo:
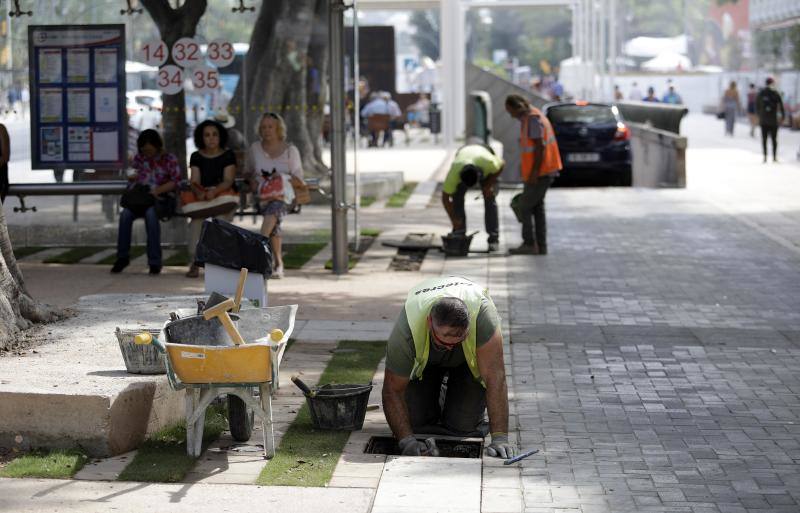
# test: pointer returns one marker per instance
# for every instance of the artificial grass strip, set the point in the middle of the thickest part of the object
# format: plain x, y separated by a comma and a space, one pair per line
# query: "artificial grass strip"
398, 199
297, 255
56, 464
162, 458
370, 232
178, 259
136, 252
74, 255
367, 201
308, 456
22, 252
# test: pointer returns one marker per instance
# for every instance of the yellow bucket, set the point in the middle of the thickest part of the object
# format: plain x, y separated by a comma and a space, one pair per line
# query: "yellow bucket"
247, 363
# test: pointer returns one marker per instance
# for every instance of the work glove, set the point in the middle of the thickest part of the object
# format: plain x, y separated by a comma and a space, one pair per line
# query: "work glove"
501, 447
410, 446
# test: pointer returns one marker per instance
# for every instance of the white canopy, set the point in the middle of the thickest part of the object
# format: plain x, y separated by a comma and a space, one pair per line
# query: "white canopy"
654, 46
668, 61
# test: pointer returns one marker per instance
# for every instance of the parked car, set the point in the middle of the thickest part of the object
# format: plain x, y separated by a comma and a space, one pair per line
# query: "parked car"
594, 143
144, 108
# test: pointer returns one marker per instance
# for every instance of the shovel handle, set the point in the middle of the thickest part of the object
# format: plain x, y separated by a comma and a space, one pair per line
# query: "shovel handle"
302, 386
237, 301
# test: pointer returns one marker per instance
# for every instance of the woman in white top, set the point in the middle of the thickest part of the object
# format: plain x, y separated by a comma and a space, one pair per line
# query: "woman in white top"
269, 165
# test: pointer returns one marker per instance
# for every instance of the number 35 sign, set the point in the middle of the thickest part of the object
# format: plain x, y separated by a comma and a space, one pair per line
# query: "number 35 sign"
191, 63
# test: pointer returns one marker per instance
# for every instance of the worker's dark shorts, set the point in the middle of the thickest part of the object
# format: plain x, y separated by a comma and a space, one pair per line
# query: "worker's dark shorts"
464, 402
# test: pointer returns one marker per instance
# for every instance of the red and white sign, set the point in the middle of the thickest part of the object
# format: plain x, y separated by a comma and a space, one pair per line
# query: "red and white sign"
205, 79
220, 53
154, 53
170, 79
186, 52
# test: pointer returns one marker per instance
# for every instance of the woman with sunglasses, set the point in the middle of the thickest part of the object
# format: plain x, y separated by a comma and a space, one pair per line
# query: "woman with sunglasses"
449, 328
269, 164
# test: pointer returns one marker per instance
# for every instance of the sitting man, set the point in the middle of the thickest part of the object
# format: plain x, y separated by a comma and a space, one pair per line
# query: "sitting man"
472, 164
449, 327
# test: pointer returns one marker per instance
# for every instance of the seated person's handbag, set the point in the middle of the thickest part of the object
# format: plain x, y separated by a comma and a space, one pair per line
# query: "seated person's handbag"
200, 209
137, 199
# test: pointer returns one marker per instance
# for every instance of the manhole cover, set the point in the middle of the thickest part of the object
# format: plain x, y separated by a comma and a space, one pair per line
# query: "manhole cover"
448, 448
411, 252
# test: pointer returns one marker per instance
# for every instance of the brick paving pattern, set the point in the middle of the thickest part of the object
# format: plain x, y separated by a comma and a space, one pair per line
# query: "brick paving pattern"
656, 359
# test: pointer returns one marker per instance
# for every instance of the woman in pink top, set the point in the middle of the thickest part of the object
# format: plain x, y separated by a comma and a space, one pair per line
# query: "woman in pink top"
269, 165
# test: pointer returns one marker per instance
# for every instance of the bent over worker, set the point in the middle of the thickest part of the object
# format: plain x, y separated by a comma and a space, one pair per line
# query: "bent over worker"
473, 163
449, 327
540, 163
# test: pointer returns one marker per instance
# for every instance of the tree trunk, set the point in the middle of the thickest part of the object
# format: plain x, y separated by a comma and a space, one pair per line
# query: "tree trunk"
18, 311
174, 24
276, 73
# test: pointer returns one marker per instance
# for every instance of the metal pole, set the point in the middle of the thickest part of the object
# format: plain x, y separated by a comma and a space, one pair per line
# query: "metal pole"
602, 50
612, 42
356, 130
338, 157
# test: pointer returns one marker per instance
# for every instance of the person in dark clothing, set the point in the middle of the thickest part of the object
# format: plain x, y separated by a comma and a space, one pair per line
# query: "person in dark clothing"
768, 106
5, 155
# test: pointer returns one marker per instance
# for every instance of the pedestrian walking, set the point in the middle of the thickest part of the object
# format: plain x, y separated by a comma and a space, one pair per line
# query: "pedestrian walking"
635, 93
618, 94
540, 163
769, 107
651, 96
270, 165
730, 106
752, 116
672, 97
449, 329
473, 164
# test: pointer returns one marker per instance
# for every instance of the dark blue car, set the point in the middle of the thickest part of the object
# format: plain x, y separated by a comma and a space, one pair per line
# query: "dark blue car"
594, 143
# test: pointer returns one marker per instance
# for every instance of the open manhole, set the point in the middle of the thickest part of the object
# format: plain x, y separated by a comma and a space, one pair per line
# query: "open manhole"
448, 448
411, 252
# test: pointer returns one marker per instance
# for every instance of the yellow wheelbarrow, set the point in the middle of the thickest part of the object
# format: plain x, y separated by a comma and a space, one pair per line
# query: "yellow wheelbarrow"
208, 371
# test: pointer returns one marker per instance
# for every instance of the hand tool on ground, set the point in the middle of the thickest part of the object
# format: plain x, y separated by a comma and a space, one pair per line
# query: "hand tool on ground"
520, 457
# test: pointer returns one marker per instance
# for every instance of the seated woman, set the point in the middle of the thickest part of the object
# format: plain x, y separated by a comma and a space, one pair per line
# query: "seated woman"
269, 165
160, 171
213, 172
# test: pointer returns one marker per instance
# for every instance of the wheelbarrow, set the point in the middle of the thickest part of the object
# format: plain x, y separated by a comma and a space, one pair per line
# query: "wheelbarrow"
208, 371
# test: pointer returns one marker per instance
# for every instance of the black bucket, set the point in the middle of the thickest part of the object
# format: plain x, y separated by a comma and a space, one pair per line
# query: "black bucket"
456, 244
339, 407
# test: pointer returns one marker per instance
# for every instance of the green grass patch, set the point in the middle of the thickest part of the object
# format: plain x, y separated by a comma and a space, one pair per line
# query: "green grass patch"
398, 199
370, 232
136, 252
74, 255
308, 456
162, 458
26, 251
178, 259
297, 255
56, 464
367, 200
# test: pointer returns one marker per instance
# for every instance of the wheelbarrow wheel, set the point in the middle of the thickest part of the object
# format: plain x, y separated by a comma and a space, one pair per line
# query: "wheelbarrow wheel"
240, 419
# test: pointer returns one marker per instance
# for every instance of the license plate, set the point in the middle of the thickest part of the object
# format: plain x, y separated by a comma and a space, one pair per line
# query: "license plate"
583, 157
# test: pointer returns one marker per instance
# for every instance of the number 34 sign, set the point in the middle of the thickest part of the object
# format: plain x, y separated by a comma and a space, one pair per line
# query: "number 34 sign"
191, 64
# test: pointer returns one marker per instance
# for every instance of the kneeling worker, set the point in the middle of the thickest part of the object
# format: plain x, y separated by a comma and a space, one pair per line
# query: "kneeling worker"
449, 327
472, 164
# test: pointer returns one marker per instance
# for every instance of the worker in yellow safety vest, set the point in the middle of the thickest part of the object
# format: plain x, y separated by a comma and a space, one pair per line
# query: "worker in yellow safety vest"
448, 328
540, 163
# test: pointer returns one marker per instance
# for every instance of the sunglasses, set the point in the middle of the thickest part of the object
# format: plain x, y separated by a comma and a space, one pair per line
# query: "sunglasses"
267, 174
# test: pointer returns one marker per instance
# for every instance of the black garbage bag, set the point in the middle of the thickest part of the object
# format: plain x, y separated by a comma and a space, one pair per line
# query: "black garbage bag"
226, 245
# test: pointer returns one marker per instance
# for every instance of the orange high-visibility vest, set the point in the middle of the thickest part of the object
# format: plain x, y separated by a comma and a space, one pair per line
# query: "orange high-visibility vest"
551, 160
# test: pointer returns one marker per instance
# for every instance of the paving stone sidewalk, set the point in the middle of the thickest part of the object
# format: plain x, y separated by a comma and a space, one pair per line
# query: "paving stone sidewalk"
655, 358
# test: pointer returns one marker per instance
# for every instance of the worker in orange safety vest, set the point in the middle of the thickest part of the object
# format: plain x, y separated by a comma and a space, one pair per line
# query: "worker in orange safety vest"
540, 163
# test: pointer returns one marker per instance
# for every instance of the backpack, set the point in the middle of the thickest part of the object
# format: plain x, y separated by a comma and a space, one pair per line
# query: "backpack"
769, 101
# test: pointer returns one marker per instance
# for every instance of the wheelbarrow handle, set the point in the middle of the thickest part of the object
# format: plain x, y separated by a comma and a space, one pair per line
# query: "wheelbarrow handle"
144, 339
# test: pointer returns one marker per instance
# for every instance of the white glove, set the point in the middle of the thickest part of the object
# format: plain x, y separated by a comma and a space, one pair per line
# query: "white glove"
501, 447
410, 446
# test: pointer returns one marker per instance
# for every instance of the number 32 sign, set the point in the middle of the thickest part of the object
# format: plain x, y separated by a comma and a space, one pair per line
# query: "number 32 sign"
190, 63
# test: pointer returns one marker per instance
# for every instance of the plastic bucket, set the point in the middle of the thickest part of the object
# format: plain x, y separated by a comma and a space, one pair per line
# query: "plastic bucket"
456, 245
143, 359
339, 407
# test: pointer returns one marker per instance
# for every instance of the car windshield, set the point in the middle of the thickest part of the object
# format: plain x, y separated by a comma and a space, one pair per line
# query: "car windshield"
581, 114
